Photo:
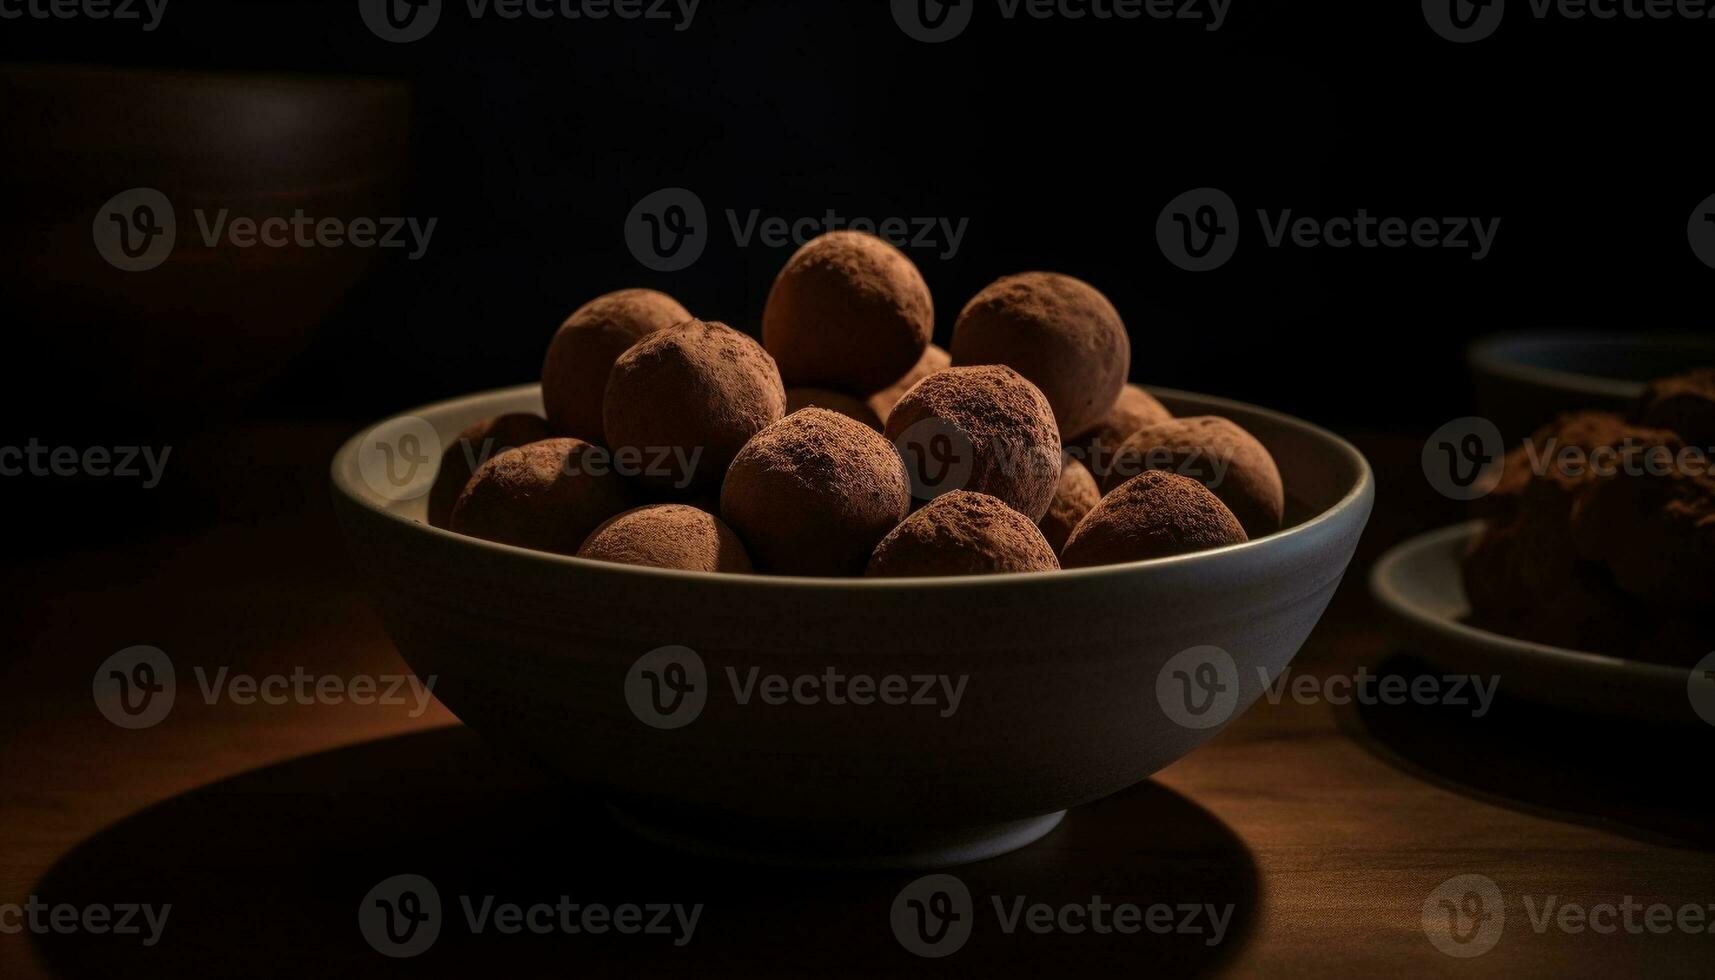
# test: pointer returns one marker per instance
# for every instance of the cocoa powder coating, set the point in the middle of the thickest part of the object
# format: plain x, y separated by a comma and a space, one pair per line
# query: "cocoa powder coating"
1075, 495
1059, 332
473, 447
575, 370
1131, 411
962, 533
548, 495
1214, 450
1152, 515
682, 402
981, 428
1684, 403
813, 493
849, 311
668, 536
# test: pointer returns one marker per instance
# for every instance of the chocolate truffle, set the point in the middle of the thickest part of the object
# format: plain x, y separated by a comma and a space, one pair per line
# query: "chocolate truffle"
962, 533
933, 359
1131, 411
1059, 332
473, 447
682, 402
548, 495
1229, 461
1685, 404
1152, 515
983, 428
1074, 496
813, 493
574, 373
849, 311
668, 536
1651, 522
834, 401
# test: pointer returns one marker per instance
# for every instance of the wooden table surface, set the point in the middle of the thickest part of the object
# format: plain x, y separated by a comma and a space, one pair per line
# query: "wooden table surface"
1321, 830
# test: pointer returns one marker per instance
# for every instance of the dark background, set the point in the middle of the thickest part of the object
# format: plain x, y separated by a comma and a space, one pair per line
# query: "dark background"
1061, 141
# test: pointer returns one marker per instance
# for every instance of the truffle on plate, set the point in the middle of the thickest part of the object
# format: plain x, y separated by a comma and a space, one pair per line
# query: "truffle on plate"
979, 428
1226, 458
834, 401
962, 533
668, 536
813, 493
574, 372
548, 495
933, 359
473, 447
1059, 332
681, 402
848, 311
1152, 515
1075, 495
1685, 404
1131, 411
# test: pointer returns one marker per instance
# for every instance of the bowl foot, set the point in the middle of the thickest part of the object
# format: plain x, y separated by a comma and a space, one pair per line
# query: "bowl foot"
937, 848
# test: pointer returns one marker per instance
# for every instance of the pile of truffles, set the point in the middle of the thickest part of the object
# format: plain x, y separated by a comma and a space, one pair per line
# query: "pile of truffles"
1601, 531
845, 443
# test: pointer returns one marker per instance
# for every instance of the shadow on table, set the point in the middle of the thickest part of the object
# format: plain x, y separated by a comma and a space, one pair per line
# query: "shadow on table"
1645, 781
266, 873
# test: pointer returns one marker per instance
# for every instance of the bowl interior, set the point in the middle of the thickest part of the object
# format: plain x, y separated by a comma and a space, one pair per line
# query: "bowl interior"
1597, 364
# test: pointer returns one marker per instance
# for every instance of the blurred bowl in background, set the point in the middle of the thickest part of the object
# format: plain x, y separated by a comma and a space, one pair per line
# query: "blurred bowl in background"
1524, 379
210, 325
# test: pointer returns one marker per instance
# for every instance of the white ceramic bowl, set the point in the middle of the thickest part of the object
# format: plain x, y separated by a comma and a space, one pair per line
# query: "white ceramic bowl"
1067, 686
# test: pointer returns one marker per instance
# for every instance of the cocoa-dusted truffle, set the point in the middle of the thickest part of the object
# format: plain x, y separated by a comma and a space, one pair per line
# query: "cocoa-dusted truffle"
1152, 515
813, 493
1059, 332
1684, 404
1131, 411
682, 402
1075, 495
834, 401
1226, 458
962, 533
473, 447
548, 495
979, 428
574, 372
933, 359
668, 536
848, 311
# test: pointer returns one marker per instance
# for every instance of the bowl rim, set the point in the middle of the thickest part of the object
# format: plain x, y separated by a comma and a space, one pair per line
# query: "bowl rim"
1489, 355
1401, 602
1353, 500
